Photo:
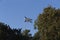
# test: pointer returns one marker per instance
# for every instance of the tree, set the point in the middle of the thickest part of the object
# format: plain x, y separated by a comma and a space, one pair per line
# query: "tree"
27, 35
36, 36
6, 33
48, 24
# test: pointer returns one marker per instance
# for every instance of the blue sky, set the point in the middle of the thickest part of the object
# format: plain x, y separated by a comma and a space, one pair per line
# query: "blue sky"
12, 12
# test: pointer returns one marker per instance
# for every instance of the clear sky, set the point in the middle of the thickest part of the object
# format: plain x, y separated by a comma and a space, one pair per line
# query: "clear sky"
12, 12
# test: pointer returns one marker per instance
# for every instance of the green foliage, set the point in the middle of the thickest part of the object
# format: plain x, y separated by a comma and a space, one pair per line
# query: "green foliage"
48, 24
6, 33
36, 36
26, 32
